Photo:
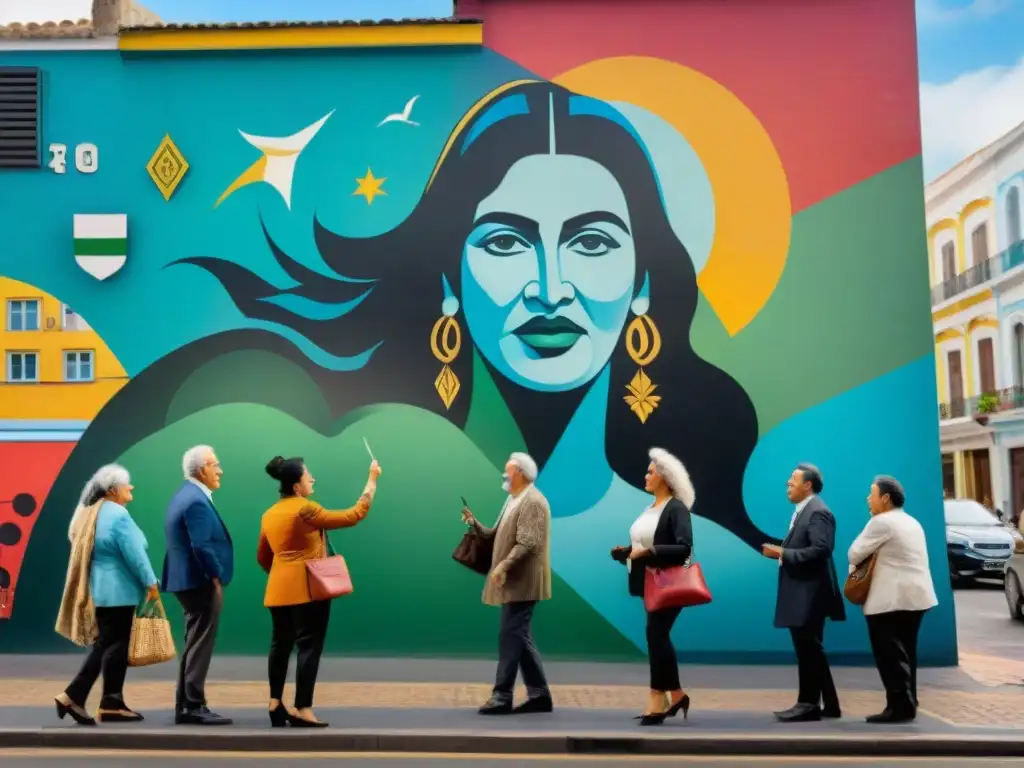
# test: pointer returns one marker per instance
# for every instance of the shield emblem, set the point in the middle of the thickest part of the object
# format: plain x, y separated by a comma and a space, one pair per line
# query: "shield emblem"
101, 243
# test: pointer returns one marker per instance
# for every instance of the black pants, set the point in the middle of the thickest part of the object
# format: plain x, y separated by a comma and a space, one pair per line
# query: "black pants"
894, 644
816, 684
108, 654
202, 608
660, 652
305, 627
516, 651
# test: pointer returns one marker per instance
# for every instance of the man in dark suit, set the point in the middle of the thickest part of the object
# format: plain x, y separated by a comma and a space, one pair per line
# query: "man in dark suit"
808, 594
198, 566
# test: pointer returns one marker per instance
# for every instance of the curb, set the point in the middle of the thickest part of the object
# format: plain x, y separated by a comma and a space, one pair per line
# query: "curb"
166, 740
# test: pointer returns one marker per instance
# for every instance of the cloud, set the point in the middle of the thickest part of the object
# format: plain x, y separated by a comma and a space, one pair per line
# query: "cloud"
44, 10
965, 114
954, 11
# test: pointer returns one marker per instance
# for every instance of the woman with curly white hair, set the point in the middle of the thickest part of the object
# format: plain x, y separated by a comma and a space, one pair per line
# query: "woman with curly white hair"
662, 537
109, 574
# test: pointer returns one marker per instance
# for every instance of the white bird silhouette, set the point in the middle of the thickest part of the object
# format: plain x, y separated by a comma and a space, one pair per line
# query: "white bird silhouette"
401, 117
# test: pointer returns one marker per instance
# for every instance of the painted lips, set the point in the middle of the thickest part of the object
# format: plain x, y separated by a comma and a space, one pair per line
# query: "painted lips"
549, 336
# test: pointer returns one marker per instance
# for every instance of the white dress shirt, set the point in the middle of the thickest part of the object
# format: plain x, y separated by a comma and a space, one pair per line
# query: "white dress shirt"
902, 580
202, 487
509, 507
800, 507
641, 533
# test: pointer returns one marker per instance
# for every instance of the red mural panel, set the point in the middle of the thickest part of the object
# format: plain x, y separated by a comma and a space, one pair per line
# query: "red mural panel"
29, 472
818, 75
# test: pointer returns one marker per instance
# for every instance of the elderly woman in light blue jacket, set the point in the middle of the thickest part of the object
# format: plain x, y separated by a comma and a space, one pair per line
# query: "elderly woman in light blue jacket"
120, 577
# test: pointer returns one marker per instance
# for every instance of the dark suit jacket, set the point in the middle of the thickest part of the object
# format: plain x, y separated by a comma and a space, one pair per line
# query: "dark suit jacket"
808, 588
673, 544
199, 547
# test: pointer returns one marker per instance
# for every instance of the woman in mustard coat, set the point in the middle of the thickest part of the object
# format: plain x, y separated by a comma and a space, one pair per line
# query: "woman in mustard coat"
291, 533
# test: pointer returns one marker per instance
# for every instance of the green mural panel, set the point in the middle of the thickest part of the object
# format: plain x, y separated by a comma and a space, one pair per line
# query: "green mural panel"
851, 304
409, 594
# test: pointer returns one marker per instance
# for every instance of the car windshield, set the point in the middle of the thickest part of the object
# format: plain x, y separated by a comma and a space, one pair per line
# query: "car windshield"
966, 512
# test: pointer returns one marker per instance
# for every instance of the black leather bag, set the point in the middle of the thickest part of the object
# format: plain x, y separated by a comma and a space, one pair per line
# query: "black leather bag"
474, 552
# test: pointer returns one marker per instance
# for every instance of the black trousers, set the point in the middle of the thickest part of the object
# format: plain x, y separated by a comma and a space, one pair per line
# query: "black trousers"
516, 651
660, 652
202, 608
108, 654
303, 627
816, 684
894, 644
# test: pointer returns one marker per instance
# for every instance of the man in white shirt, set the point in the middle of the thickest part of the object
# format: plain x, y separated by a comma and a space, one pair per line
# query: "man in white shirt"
808, 594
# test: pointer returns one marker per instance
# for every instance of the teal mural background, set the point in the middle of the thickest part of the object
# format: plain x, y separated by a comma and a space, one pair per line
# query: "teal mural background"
822, 369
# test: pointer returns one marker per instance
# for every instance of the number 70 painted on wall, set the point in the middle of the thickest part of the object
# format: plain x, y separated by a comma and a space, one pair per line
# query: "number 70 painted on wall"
87, 158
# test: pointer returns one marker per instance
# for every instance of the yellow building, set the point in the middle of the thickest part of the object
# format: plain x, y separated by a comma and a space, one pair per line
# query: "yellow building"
55, 365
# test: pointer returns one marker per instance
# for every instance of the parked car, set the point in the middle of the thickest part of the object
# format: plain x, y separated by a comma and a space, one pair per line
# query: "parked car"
977, 542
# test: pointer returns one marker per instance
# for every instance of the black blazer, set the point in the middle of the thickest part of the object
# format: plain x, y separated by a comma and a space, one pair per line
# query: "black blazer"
673, 544
808, 588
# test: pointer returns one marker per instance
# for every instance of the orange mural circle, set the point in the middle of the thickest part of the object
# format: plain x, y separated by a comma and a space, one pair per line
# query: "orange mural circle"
753, 214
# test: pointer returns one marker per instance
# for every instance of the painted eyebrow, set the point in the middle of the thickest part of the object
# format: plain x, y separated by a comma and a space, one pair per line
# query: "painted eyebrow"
522, 223
585, 219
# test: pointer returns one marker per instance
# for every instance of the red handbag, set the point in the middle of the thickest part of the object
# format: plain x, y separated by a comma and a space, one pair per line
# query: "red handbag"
328, 577
681, 586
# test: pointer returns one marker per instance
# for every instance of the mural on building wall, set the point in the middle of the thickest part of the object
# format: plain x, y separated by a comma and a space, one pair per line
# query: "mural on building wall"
579, 261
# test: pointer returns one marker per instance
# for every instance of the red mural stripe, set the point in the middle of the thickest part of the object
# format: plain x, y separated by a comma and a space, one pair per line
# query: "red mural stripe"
834, 82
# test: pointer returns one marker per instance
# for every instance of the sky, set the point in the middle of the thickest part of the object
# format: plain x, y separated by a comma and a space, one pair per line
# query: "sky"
971, 54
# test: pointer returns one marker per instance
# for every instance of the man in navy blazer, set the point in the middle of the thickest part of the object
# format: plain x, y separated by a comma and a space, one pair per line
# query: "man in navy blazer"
198, 566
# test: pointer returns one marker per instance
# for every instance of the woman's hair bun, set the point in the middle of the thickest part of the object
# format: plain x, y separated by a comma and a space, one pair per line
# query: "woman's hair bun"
274, 467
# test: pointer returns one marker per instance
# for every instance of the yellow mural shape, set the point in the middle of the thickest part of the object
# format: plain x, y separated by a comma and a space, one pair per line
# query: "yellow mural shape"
167, 167
753, 214
370, 187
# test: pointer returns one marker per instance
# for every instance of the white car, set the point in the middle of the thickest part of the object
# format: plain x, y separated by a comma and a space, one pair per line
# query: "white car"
977, 543
1015, 577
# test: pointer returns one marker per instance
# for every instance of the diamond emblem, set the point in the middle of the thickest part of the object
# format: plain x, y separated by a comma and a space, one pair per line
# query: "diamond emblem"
167, 167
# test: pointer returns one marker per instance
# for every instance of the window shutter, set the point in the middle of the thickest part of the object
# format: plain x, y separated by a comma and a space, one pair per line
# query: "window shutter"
19, 117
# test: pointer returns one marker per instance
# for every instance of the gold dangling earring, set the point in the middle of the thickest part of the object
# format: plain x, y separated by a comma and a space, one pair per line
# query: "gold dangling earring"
445, 343
643, 343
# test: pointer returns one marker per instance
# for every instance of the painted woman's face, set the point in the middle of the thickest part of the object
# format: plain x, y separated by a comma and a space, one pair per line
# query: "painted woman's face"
548, 271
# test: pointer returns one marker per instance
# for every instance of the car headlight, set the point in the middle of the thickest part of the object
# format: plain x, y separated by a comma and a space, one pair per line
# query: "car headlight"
956, 540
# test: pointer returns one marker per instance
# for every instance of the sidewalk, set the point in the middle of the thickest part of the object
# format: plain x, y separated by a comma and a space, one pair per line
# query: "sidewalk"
429, 705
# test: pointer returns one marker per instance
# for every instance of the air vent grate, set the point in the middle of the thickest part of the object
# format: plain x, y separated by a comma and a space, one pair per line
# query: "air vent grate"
19, 117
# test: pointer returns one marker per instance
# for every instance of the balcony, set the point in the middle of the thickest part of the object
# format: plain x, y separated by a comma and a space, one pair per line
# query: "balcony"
983, 405
990, 269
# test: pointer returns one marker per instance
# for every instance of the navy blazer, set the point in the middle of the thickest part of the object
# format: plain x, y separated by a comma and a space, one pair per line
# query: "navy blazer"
673, 545
199, 547
808, 588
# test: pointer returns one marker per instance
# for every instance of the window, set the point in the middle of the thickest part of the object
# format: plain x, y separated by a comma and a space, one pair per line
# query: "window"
19, 112
1018, 355
1013, 215
23, 315
965, 512
78, 366
22, 366
72, 321
948, 262
979, 243
987, 366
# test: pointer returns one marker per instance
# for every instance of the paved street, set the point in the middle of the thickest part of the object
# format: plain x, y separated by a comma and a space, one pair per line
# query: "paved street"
377, 704
97, 759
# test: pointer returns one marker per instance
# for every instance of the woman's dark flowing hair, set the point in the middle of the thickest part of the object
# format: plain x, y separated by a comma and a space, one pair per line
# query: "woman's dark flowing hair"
395, 281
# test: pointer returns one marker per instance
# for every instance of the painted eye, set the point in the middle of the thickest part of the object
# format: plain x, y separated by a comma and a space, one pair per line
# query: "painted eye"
505, 244
592, 243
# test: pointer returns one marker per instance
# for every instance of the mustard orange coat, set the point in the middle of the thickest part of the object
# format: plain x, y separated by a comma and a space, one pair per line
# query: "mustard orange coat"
291, 532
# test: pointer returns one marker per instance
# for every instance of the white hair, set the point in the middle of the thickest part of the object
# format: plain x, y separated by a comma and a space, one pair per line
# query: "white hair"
674, 474
105, 479
195, 459
525, 463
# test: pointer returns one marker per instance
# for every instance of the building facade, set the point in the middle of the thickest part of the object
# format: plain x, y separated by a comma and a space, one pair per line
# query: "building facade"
976, 262
453, 239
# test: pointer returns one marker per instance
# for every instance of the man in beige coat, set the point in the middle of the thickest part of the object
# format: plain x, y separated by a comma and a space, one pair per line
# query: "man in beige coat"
520, 577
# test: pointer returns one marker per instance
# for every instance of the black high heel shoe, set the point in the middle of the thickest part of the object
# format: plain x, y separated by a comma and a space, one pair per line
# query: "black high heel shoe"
683, 704
655, 718
120, 716
278, 716
78, 714
301, 722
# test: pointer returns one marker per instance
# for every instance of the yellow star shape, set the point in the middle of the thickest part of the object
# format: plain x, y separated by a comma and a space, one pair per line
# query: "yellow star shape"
370, 186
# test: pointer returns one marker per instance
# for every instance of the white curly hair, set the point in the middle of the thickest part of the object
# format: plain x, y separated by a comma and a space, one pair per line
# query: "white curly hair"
674, 474
105, 479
